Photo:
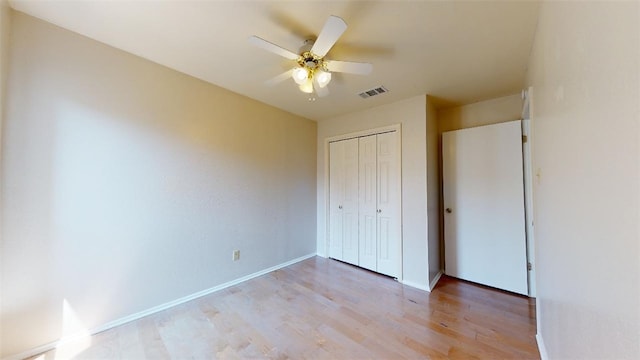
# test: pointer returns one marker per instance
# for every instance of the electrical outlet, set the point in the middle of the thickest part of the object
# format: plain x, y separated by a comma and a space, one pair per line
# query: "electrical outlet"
236, 255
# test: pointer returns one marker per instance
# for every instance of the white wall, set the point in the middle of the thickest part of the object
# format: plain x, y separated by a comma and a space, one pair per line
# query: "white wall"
584, 69
127, 185
411, 113
436, 262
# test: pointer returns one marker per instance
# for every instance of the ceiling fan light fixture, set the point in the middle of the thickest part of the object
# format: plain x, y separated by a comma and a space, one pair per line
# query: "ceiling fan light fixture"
313, 72
300, 75
307, 86
322, 77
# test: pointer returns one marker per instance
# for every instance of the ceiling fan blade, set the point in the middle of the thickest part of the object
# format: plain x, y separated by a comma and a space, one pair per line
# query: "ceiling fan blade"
280, 78
349, 67
321, 91
266, 45
332, 30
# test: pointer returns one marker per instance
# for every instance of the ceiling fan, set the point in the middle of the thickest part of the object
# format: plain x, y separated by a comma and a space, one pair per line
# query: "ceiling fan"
312, 71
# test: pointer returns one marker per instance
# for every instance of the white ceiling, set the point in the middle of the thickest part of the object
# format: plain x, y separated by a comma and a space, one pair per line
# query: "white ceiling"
459, 52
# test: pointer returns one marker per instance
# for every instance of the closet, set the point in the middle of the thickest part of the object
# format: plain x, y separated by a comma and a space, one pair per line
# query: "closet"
364, 202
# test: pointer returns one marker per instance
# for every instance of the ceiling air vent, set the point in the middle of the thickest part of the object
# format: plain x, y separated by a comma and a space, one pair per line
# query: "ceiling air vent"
373, 92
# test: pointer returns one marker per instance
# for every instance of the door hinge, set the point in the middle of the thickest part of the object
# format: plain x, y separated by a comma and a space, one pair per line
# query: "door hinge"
529, 266
524, 139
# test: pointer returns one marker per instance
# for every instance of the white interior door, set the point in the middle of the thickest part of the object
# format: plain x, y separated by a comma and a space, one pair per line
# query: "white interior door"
388, 199
368, 204
484, 206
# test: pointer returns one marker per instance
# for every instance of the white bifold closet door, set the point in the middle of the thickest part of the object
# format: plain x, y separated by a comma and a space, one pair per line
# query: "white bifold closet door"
343, 193
368, 204
377, 206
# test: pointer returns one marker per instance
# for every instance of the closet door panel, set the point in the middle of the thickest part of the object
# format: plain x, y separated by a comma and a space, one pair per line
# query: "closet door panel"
388, 204
350, 202
386, 239
336, 190
367, 204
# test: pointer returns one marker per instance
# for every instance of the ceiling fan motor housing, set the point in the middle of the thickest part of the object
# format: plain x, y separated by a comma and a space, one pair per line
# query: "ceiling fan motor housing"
309, 60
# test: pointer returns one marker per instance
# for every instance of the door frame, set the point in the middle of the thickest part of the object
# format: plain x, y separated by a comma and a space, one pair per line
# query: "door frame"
357, 134
529, 210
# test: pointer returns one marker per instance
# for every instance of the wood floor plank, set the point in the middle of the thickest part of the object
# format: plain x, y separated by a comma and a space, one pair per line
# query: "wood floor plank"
324, 309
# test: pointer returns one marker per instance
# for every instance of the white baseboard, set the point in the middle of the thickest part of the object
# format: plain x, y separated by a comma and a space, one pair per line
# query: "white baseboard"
153, 310
541, 347
32, 352
415, 285
423, 287
435, 280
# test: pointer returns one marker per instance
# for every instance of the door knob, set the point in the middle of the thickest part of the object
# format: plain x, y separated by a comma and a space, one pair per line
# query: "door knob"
340, 207
379, 211
448, 210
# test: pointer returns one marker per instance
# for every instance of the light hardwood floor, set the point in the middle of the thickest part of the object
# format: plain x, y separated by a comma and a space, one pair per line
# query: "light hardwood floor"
322, 308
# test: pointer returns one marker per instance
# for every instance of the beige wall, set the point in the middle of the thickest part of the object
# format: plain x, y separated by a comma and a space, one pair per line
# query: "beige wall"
433, 193
5, 26
584, 70
127, 185
411, 114
487, 112
5, 20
